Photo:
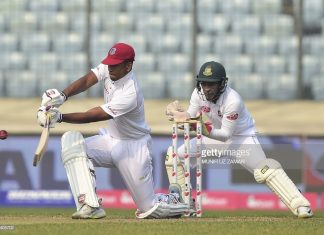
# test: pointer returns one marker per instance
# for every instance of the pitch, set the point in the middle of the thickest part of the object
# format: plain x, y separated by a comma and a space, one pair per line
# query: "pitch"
58, 221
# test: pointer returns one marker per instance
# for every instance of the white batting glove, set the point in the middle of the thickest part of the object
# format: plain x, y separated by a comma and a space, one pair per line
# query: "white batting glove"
53, 97
53, 112
173, 107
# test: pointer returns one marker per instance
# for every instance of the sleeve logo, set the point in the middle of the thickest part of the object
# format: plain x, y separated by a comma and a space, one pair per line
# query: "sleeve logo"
205, 109
232, 117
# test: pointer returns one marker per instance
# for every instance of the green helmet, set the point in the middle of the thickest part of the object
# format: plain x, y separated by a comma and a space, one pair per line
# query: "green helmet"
212, 72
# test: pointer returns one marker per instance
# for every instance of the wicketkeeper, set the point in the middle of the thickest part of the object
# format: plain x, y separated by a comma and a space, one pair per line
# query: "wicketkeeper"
232, 128
125, 144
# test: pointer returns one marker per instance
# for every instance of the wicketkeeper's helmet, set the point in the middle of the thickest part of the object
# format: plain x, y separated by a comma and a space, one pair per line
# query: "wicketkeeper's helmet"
212, 72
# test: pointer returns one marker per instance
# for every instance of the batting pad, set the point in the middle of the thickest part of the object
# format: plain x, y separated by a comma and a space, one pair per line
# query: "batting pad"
271, 173
77, 167
180, 171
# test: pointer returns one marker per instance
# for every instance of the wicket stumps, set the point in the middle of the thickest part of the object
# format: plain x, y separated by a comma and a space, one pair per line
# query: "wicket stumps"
186, 125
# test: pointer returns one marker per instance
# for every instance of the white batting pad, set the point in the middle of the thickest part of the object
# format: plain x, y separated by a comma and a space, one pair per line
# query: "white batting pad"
78, 167
163, 210
271, 173
180, 171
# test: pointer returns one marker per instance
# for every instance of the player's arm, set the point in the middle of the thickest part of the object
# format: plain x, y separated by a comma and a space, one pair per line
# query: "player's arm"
229, 122
53, 97
92, 115
81, 84
96, 114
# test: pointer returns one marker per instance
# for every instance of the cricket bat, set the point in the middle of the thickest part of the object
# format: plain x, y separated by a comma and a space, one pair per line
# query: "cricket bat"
42, 145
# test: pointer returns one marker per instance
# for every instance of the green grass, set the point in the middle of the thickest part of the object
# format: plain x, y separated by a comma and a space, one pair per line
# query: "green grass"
58, 221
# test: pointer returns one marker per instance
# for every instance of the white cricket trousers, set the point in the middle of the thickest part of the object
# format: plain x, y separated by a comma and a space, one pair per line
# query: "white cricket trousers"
133, 160
246, 149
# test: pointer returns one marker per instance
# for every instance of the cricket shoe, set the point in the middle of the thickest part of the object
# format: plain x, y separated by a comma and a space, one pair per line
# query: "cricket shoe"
304, 212
88, 212
176, 189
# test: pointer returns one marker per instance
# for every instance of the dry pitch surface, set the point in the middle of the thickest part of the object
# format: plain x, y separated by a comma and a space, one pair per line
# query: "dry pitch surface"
58, 221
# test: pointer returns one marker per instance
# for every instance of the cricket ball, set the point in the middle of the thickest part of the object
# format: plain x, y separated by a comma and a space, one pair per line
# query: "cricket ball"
3, 134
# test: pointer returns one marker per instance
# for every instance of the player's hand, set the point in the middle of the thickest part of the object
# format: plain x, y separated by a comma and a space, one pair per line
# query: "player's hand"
206, 128
173, 107
178, 116
54, 113
53, 97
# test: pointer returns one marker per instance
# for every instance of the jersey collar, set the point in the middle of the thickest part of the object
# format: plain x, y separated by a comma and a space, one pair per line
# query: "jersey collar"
123, 79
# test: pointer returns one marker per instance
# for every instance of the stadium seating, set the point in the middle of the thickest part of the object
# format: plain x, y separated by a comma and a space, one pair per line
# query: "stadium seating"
179, 85
317, 86
313, 13
153, 84
8, 43
36, 43
58, 80
265, 7
239, 7
23, 23
254, 39
263, 45
44, 63
282, 87
20, 83
55, 24
228, 45
246, 83
247, 26
2, 83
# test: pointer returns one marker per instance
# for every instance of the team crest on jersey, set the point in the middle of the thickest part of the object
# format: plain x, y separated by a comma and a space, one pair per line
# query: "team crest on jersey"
232, 117
112, 51
205, 109
208, 71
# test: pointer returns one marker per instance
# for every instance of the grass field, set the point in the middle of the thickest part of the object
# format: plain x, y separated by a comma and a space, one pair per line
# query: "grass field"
58, 221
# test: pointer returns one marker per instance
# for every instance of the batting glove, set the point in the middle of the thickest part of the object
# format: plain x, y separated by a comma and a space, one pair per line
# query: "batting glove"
55, 116
53, 97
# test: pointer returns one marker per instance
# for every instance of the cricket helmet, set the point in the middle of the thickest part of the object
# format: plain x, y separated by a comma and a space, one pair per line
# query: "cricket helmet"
212, 72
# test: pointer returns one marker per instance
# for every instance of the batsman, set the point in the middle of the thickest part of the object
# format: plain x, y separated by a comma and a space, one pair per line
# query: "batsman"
125, 144
232, 127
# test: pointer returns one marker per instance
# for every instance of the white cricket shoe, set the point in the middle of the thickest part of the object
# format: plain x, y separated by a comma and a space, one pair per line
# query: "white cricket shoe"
88, 212
304, 212
176, 189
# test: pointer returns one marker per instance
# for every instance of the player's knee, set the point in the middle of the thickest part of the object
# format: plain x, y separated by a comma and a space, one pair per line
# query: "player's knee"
73, 146
265, 169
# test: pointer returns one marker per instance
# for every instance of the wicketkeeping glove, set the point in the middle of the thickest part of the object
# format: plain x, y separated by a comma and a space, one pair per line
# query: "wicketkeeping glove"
174, 106
54, 113
53, 97
206, 128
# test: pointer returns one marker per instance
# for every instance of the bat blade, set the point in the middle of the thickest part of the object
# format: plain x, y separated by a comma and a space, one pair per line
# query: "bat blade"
43, 141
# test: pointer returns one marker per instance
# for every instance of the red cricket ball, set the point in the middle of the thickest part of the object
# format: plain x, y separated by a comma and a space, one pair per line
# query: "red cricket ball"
3, 134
